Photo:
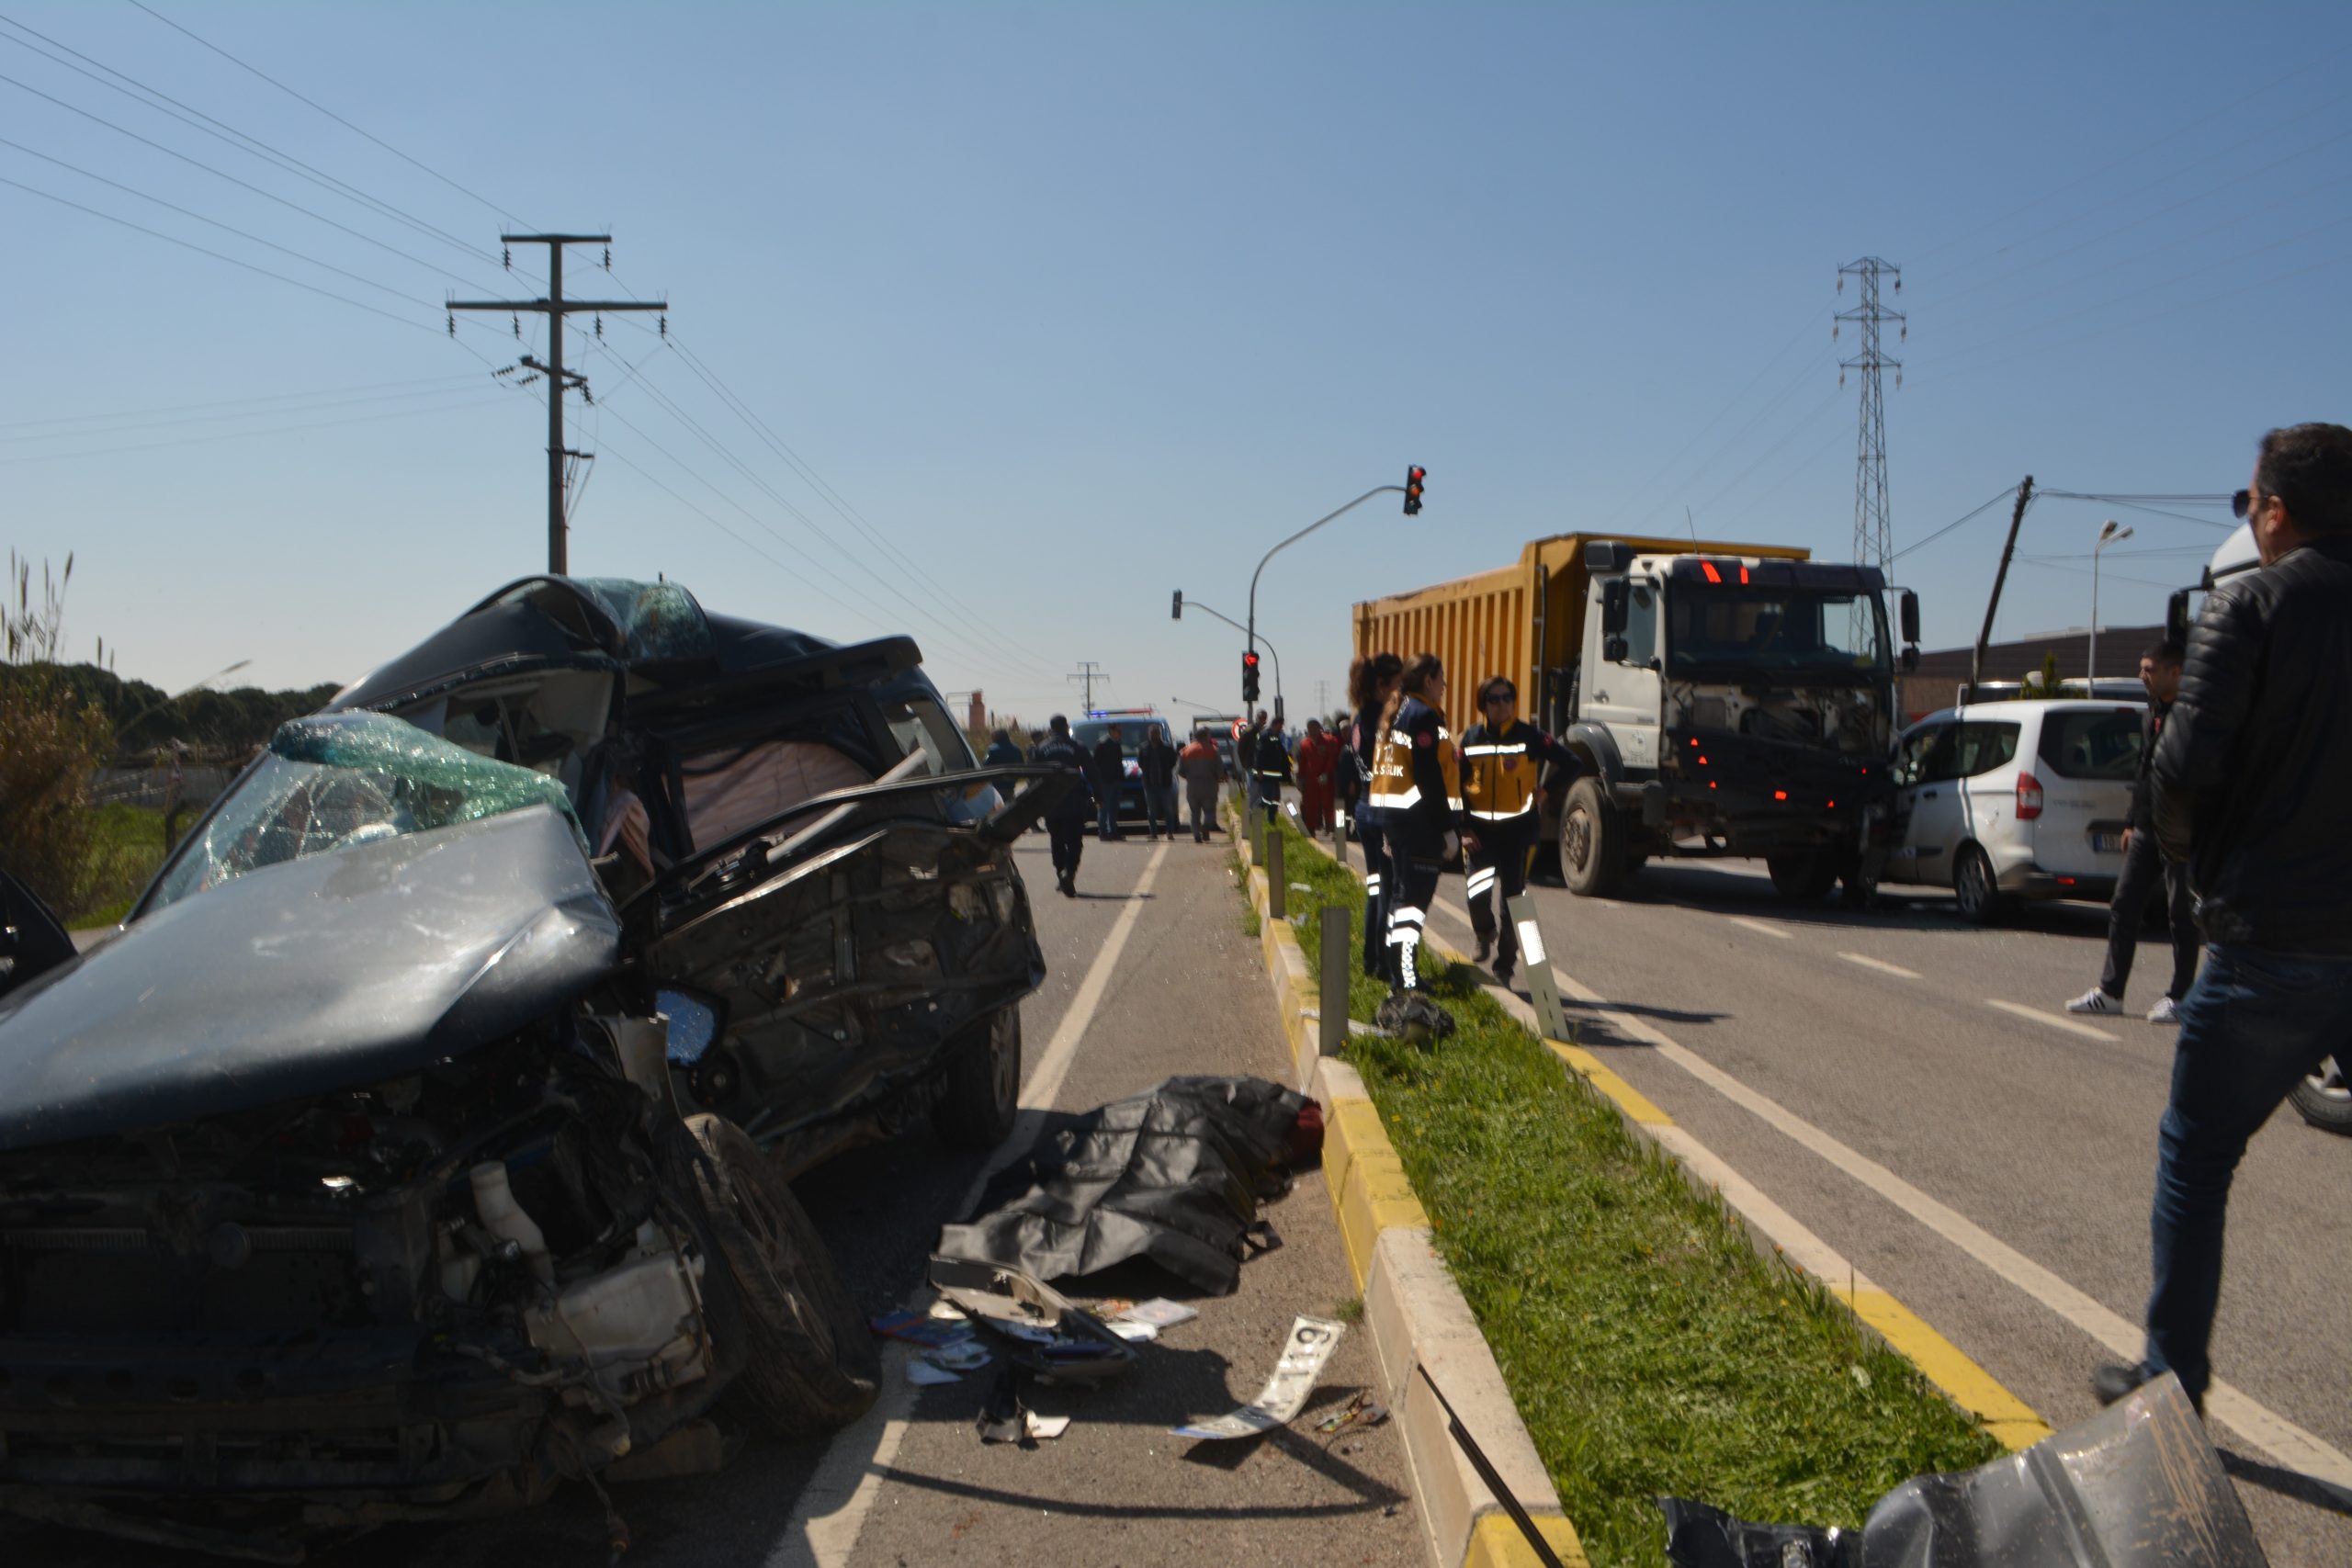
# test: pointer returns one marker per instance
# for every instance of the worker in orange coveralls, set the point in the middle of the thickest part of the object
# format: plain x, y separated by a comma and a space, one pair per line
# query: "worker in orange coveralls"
1318, 767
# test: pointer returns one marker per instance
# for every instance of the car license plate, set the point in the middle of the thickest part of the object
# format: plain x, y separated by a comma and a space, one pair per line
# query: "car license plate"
2106, 844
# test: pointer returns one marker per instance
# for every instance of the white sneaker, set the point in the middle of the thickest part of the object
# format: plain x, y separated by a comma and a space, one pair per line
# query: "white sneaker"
2165, 1011
2095, 1000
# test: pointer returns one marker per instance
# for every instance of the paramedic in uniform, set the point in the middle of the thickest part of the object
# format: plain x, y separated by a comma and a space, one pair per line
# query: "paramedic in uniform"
1502, 759
1417, 786
1369, 683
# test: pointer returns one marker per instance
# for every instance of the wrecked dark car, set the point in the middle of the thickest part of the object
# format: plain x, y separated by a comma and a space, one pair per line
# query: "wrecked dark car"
421, 1141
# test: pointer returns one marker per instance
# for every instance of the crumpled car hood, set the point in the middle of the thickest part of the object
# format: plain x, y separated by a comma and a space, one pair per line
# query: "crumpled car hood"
307, 976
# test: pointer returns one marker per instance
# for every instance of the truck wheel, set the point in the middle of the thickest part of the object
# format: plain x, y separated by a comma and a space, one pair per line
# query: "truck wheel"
1593, 841
2324, 1099
1802, 876
811, 1367
979, 1094
1978, 895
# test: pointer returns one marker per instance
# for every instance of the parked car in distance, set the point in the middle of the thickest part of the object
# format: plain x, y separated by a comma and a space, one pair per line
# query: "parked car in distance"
1132, 727
2014, 800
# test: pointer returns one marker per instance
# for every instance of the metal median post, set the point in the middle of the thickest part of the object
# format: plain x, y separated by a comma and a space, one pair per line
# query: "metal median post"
1338, 950
1535, 962
1277, 890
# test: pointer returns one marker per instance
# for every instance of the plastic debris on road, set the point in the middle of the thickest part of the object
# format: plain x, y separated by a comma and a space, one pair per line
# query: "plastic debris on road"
1408, 1015
1132, 1333
1304, 1355
916, 1329
1034, 1326
1359, 1411
2135, 1486
923, 1374
1160, 1313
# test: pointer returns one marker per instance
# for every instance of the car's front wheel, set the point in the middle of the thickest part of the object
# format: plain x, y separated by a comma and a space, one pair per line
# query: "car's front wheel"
811, 1367
2324, 1099
980, 1091
1978, 896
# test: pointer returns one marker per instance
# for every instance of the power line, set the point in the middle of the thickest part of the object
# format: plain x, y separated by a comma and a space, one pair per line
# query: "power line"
235, 402
253, 146
470, 383
242, 434
217, 255
1969, 516
324, 110
223, 174
200, 218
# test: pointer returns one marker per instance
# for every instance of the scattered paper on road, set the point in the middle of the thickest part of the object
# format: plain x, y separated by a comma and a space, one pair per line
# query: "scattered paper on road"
1047, 1427
1304, 1354
1135, 1333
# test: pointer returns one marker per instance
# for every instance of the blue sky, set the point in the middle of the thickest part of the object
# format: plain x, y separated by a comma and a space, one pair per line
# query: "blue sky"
1071, 306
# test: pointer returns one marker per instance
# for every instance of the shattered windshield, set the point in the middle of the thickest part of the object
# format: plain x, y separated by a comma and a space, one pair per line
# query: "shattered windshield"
657, 620
334, 780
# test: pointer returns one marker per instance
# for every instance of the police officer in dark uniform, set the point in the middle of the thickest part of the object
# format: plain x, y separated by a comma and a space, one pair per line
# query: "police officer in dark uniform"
1066, 823
1268, 766
1369, 683
1503, 759
1416, 784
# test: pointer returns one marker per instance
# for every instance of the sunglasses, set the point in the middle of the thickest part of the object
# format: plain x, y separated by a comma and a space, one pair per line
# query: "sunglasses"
2241, 504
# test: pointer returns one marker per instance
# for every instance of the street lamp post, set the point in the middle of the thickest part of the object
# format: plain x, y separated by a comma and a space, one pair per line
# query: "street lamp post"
2110, 533
1183, 604
1410, 491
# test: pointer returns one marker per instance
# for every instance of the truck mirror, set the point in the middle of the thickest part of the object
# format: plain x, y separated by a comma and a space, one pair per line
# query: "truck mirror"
1910, 661
1615, 648
2177, 616
1615, 608
1909, 604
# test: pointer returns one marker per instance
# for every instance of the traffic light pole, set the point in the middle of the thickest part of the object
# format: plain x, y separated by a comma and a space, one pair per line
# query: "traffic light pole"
1250, 630
1236, 626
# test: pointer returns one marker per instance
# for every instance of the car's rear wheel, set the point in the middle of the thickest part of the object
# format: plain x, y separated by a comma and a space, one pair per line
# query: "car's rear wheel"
810, 1366
980, 1092
2324, 1099
1978, 896
1802, 876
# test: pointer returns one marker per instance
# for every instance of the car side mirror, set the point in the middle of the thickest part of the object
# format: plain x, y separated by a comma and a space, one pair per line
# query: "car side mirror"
2177, 616
1616, 608
1907, 608
1615, 650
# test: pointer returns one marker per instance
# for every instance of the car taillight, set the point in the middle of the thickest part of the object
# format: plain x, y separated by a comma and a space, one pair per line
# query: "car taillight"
2029, 797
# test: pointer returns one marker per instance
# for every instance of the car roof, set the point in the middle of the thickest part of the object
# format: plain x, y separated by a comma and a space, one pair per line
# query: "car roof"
2024, 709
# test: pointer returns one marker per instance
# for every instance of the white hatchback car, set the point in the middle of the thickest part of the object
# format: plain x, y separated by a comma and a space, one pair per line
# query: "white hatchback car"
2000, 801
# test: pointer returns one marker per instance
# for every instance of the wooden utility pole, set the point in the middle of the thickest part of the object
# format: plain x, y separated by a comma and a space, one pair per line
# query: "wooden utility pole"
2017, 515
555, 306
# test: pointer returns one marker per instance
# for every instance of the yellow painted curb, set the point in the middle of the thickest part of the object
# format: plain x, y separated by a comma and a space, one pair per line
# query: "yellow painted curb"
1970, 1386
1495, 1542
1631, 1100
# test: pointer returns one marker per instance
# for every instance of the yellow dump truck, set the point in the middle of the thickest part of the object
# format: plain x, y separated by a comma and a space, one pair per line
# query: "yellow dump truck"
1720, 698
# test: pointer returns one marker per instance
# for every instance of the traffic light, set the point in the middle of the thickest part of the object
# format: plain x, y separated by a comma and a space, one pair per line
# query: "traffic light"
1413, 478
1249, 676
1176, 606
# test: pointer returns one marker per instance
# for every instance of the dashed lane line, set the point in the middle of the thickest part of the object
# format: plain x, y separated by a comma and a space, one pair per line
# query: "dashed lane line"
2265, 1428
1760, 927
1881, 965
2019, 1010
840, 1492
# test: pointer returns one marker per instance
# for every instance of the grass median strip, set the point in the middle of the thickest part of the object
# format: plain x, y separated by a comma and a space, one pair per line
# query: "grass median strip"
1649, 1348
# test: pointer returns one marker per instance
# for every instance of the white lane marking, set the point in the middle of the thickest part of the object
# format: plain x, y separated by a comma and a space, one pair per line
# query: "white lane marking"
1881, 965
1760, 927
833, 1508
2019, 1010
2284, 1441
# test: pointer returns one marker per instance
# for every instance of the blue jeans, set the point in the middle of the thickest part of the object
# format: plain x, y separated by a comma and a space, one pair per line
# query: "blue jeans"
1159, 808
2255, 1024
1106, 814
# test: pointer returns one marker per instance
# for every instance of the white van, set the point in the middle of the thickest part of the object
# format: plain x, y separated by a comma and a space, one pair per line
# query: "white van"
2002, 801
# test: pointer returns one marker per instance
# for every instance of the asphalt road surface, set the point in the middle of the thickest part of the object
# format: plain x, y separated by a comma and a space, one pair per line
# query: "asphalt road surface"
1942, 1054
1184, 992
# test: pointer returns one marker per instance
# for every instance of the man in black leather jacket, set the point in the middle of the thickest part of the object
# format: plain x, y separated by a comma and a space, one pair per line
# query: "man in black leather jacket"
2249, 780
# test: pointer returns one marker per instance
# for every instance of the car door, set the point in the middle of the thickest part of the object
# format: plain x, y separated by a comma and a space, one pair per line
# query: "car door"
1624, 692
1926, 809
2085, 759
832, 953
1985, 765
